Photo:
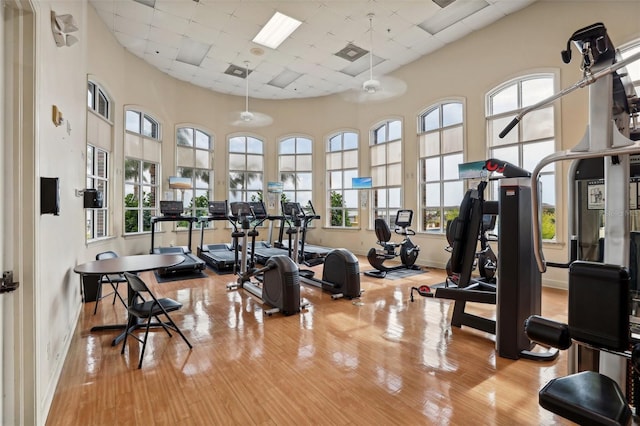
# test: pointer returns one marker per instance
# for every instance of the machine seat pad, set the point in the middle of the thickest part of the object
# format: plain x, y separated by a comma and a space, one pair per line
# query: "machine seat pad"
586, 398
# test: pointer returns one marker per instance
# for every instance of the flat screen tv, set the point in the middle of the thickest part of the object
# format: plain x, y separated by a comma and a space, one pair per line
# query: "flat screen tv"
362, 182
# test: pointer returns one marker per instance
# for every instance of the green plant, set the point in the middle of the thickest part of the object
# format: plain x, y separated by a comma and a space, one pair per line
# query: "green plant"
338, 213
548, 223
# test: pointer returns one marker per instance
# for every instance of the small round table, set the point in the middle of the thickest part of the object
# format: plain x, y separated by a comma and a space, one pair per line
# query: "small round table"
118, 265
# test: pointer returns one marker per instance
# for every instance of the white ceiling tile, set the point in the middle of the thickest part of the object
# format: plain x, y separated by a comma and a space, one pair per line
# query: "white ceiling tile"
170, 22
169, 38
158, 61
417, 12
161, 50
453, 32
214, 16
132, 28
183, 8
131, 43
134, 11
202, 33
187, 69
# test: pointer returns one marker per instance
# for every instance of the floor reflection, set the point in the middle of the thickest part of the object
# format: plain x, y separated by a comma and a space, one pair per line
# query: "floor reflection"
380, 359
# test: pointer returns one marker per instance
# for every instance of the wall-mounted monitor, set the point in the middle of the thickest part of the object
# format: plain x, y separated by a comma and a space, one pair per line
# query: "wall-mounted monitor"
362, 182
176, 182
473, 170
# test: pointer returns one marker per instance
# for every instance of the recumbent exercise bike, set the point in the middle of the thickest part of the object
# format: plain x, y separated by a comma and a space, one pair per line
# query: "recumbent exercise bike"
408, 251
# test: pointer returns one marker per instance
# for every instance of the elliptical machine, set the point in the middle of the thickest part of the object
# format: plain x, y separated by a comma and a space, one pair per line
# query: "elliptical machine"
341, 270
280, 280
408, 251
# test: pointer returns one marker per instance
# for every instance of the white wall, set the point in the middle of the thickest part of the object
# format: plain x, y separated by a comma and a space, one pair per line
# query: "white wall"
59, 152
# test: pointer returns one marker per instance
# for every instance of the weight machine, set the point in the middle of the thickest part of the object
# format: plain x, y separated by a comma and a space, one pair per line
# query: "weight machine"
594, 287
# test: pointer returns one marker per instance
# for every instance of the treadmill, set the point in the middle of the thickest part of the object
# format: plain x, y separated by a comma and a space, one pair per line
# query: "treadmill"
263, 250
220, 257
172, 212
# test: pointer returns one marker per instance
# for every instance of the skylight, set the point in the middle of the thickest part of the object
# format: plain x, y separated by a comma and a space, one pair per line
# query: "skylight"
279, 27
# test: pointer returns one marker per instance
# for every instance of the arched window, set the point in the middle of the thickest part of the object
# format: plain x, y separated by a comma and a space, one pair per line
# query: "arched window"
342, 167
441, 142
530, 141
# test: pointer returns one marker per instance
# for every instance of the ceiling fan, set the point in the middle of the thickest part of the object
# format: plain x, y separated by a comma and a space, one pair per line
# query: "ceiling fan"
247, 118
375, 89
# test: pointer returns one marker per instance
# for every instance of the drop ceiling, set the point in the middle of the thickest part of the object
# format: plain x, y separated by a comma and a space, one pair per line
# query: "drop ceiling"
199, 41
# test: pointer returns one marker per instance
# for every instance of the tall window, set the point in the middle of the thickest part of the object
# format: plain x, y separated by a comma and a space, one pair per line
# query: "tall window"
97, 100
194, 160
531, 140
441, 143
386, 170
246, 165
142, 150
140, 194
99, 148
98, 178
295, 161
342, 167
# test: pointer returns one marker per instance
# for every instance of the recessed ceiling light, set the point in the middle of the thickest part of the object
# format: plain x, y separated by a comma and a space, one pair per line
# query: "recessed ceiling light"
279, 27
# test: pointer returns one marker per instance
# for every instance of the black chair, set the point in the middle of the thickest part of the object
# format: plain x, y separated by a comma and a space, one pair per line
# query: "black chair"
112, 279
146, 309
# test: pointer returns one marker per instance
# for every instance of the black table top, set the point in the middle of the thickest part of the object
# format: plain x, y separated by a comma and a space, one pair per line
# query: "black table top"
135, 263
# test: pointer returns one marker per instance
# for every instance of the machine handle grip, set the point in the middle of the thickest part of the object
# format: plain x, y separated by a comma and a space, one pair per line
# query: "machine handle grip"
510, 126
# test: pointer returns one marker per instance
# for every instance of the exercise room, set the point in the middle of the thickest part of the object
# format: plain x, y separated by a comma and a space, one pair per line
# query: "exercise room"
320, 212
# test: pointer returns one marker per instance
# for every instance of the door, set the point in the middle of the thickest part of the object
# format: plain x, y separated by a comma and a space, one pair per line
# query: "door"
17, 211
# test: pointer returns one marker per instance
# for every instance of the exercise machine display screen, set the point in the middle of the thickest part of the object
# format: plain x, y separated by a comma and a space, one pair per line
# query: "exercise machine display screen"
404, 218
218, 209
171, 208
241, 208
259, 211
291, 209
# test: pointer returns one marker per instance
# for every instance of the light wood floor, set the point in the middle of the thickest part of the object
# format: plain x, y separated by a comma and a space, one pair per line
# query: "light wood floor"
380, 360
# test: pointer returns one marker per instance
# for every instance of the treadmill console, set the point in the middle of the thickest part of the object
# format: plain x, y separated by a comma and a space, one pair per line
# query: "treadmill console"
240, 208
259, 210
218, 210
171, 208
292, 209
